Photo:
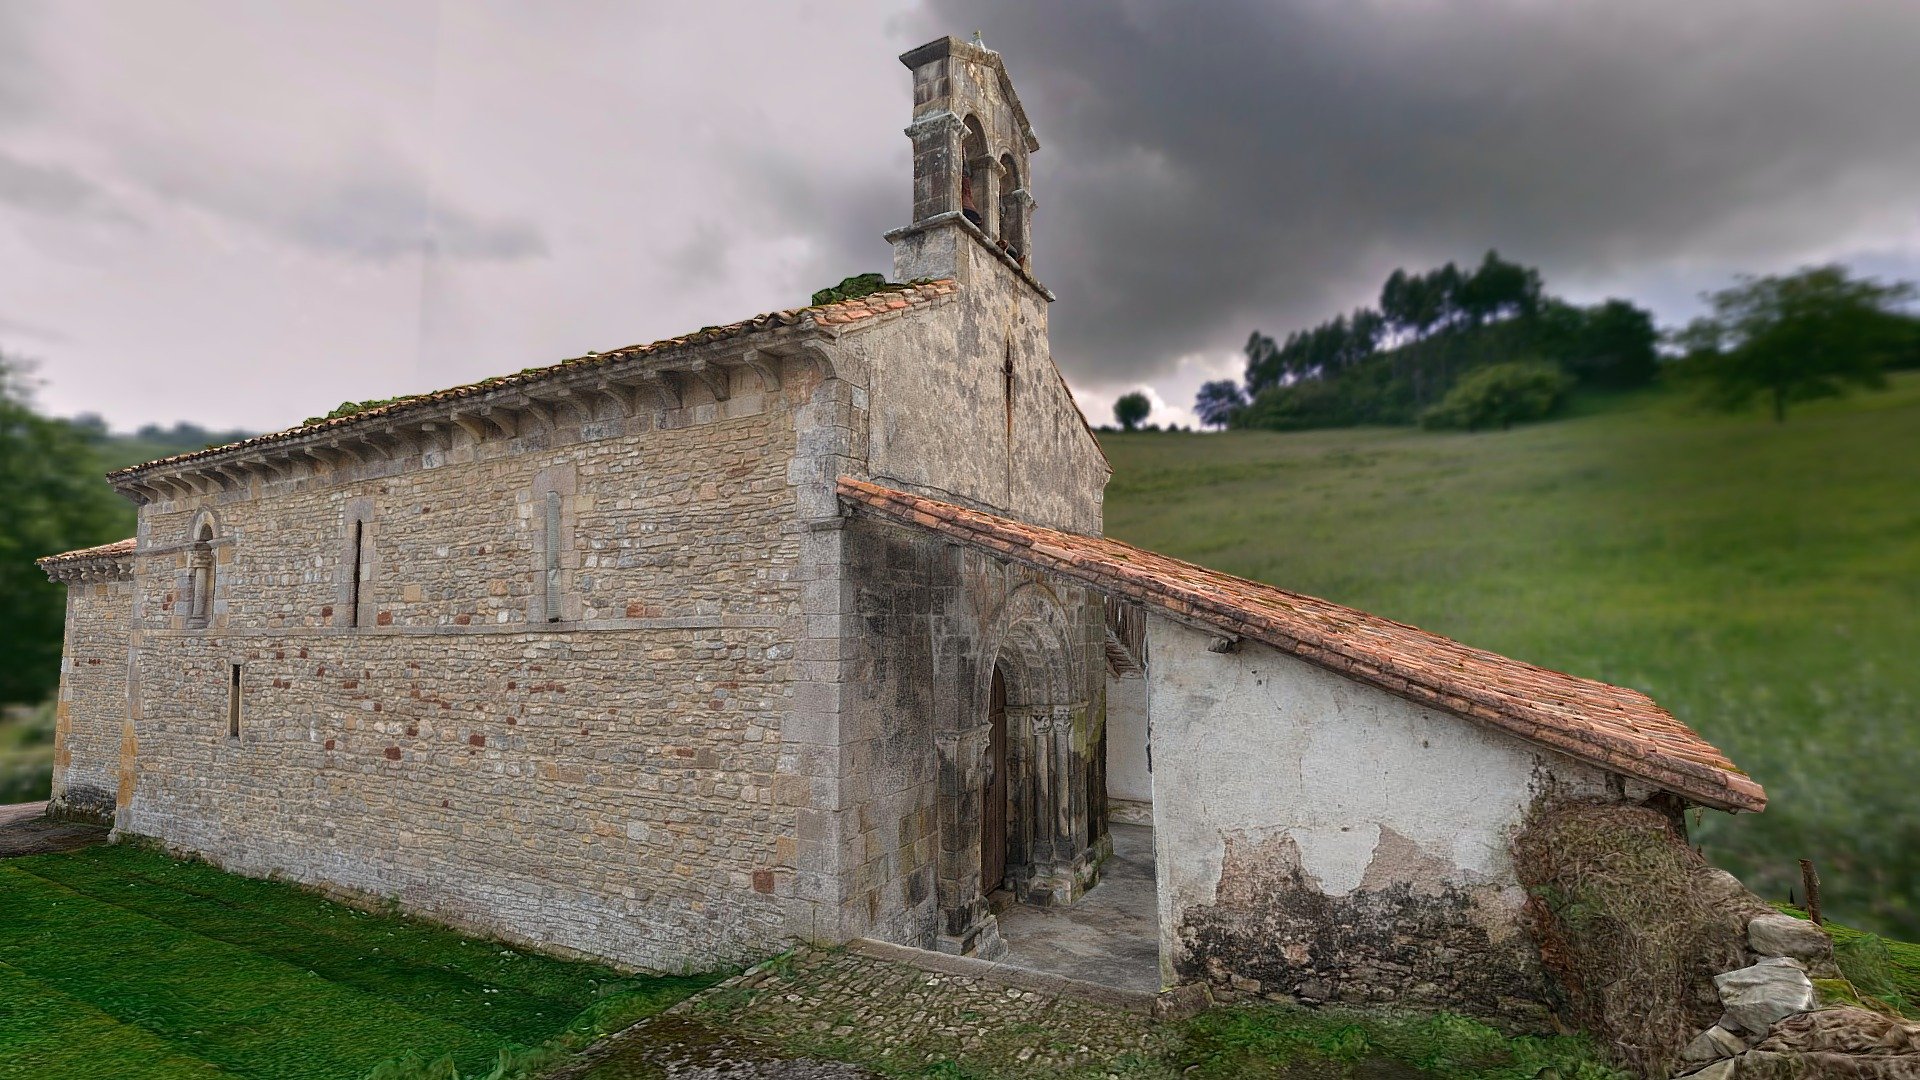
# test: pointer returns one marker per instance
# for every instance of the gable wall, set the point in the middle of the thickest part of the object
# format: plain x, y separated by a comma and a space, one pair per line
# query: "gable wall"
92, 706
604, 785
1338, 843
940, 420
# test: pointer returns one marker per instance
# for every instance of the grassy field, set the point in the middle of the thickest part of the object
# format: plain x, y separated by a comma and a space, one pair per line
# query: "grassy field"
117, 961
1762, 581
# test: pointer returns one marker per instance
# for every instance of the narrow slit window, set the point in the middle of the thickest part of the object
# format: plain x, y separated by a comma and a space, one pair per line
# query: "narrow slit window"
359, 571
233, 701
551, 593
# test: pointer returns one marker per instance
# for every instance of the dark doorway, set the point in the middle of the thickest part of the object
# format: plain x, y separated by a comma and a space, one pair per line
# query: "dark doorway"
993, 816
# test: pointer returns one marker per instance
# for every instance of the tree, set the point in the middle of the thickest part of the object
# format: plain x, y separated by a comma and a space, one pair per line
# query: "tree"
1131, 409
1218, 401
1612, 345
1265, 366
1794, 337
1502, 394
56, 500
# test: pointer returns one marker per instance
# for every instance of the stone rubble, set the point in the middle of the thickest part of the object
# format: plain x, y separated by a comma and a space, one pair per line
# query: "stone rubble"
1783, 935
1757, 996
1774, 1029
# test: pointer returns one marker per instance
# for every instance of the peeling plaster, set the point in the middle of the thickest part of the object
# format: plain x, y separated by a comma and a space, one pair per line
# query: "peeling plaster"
1332, 835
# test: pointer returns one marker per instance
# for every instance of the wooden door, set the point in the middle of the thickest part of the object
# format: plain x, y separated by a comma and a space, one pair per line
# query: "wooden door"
993, 815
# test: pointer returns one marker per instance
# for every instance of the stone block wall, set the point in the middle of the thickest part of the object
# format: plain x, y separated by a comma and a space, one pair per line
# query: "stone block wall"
933, 620
605, 784
92, 705
947, 419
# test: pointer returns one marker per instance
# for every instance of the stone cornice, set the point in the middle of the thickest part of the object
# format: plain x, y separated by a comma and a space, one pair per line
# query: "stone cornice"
592, 388
108, 562
586, 393
955, 217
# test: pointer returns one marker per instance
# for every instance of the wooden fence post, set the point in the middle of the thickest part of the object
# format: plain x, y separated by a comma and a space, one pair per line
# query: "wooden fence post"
1810, 879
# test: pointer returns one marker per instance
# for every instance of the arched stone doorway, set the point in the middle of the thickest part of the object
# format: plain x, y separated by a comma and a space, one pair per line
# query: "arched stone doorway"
1020, 812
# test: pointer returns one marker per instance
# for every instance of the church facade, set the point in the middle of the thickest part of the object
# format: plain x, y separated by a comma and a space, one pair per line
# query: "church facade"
802, 629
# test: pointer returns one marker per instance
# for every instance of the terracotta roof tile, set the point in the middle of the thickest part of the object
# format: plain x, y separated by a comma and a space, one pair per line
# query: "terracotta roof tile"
841, 313
1618, 729
117, 549
106, 562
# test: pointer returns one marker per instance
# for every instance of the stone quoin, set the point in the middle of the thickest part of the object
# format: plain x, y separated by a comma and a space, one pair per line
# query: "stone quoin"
802, 628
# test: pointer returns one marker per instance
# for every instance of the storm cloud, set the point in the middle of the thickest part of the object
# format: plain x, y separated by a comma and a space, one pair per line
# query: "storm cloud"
1213, 167
237, 214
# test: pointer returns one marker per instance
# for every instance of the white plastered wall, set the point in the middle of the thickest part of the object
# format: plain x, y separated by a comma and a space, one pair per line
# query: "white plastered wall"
1253, 746
1129, 778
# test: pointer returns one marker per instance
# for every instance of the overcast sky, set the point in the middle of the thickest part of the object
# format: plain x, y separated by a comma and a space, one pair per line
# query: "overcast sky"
242, 214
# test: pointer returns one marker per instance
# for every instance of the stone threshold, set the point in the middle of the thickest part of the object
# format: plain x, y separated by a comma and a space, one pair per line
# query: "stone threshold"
1174, 1004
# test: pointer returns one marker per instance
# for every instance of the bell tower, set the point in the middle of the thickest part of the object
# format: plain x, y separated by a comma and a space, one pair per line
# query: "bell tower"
971, 148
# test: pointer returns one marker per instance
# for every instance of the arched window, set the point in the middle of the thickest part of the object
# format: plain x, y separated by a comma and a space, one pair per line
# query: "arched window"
1013, 218
976, 173
200, 579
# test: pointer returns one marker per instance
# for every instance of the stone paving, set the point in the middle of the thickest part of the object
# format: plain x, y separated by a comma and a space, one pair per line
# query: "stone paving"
24, 830
825, 1006
1111, 936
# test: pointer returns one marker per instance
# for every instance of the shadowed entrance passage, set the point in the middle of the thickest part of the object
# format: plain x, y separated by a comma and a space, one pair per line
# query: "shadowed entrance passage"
1111, 936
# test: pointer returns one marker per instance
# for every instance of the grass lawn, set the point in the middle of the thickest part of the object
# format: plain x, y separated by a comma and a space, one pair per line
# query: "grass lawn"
1761, 581
117, 961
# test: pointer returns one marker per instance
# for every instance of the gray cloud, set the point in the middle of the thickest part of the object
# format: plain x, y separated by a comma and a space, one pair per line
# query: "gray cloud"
583, 175
375, 210
21, 328
20, 77
1212, 167
53, 189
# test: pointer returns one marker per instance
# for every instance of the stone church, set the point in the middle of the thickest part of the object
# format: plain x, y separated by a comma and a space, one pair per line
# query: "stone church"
802, 628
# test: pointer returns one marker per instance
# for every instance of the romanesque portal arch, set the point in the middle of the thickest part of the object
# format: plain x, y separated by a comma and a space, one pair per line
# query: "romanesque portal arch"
1023, 780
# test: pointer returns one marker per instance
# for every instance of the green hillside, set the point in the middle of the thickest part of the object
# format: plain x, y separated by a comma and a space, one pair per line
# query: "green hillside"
1761, 581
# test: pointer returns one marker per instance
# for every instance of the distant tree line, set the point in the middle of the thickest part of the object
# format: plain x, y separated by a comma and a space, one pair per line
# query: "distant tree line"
56, 500
1393, 362
52, 482
1487, 346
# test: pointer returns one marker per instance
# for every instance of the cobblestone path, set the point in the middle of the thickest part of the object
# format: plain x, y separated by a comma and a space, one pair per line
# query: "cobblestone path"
835, 1006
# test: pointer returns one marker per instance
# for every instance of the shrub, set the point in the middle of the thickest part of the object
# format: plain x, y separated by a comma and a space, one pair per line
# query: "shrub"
1310, 403
1501, 394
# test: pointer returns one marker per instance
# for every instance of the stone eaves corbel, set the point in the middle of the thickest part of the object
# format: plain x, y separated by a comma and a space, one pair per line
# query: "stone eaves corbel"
713, 377
763, 365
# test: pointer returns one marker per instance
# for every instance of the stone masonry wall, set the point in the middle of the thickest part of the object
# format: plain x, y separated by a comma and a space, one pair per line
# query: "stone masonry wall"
92, 707
947, 422
933, 620
603, 784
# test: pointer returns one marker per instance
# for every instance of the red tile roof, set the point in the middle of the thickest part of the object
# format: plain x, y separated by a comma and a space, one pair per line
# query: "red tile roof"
117, 549
107, 562
837, 315
1610, 726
